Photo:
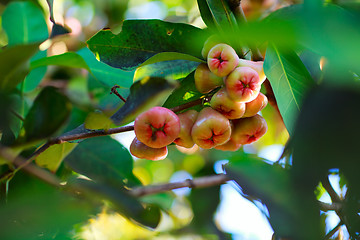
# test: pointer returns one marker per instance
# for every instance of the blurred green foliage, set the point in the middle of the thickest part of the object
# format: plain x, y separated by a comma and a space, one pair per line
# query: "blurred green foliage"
56, 86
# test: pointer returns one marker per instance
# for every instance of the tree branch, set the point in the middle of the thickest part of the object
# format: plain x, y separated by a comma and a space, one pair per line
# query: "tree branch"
333, 231
330, 206
333, 195
200, 182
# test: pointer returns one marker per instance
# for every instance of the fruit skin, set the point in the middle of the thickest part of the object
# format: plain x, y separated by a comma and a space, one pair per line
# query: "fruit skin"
187, 120
208, 44
222, 103
256, 105
210, 129
222, 59
140, 150
249, 130
157, 127
243, 84
205, 80
257, 66
230, 145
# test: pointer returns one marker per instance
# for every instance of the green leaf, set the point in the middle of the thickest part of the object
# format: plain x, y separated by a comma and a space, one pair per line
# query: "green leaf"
141, 39
24, 23
290, 81
185, 93
52, 157
144, 94
122, 202
48, 113
97, 120
36, 209
104, 160
175, 69
293, 211
68, 59
217, 14
15, 65
107, 75
168, 56
35, 76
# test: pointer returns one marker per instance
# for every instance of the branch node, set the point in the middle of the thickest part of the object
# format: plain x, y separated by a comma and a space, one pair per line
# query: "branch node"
114, 91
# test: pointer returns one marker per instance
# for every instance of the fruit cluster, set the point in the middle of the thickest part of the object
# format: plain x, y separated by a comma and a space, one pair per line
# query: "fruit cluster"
229, 122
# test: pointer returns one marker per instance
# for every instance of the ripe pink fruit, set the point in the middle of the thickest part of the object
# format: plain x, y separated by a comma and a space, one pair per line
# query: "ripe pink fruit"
187, 120
256, 105
205, 80
222, 103
140, 150
209, 44
210, 129
257, 66
222, 59
249, 130
243, 84
157, 127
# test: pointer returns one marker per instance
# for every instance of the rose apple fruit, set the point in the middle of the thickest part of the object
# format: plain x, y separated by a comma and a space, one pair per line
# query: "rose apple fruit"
243, 84
257, 66
210, 129
256, 105
209, 44
222, 103
222, 59
187, 120
157, 127
249, 130
140, 150
205, 80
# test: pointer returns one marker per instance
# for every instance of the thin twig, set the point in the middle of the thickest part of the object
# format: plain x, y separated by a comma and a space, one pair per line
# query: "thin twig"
17, 115
200, 182
327, 185
114, 91
329, 206
333, 231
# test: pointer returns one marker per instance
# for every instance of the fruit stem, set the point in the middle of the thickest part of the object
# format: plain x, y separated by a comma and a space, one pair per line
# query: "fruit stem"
114, 91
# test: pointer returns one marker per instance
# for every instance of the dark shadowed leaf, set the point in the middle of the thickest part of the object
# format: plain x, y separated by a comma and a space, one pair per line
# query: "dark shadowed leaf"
35, 209
122, 202
24, 23
144, 94
141, 39
103, 159
48, 113
293, 212
290, 81
15, 64
185, 93
58, 30
217, 14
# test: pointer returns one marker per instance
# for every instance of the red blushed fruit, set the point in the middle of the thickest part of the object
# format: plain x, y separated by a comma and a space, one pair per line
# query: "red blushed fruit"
249, 130
210, 129
257, 66
256, 105
140, 150
222, 103
187, 120
205, 80
222, 59
243, 84
157, 127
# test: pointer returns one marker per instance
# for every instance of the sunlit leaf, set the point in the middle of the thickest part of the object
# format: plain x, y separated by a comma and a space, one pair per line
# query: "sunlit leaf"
168, 56
290, 81
68, 59
52, 157
141, 39
97, 120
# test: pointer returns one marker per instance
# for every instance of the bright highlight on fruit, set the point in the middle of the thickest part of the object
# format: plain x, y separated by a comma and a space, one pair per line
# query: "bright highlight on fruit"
222, 59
